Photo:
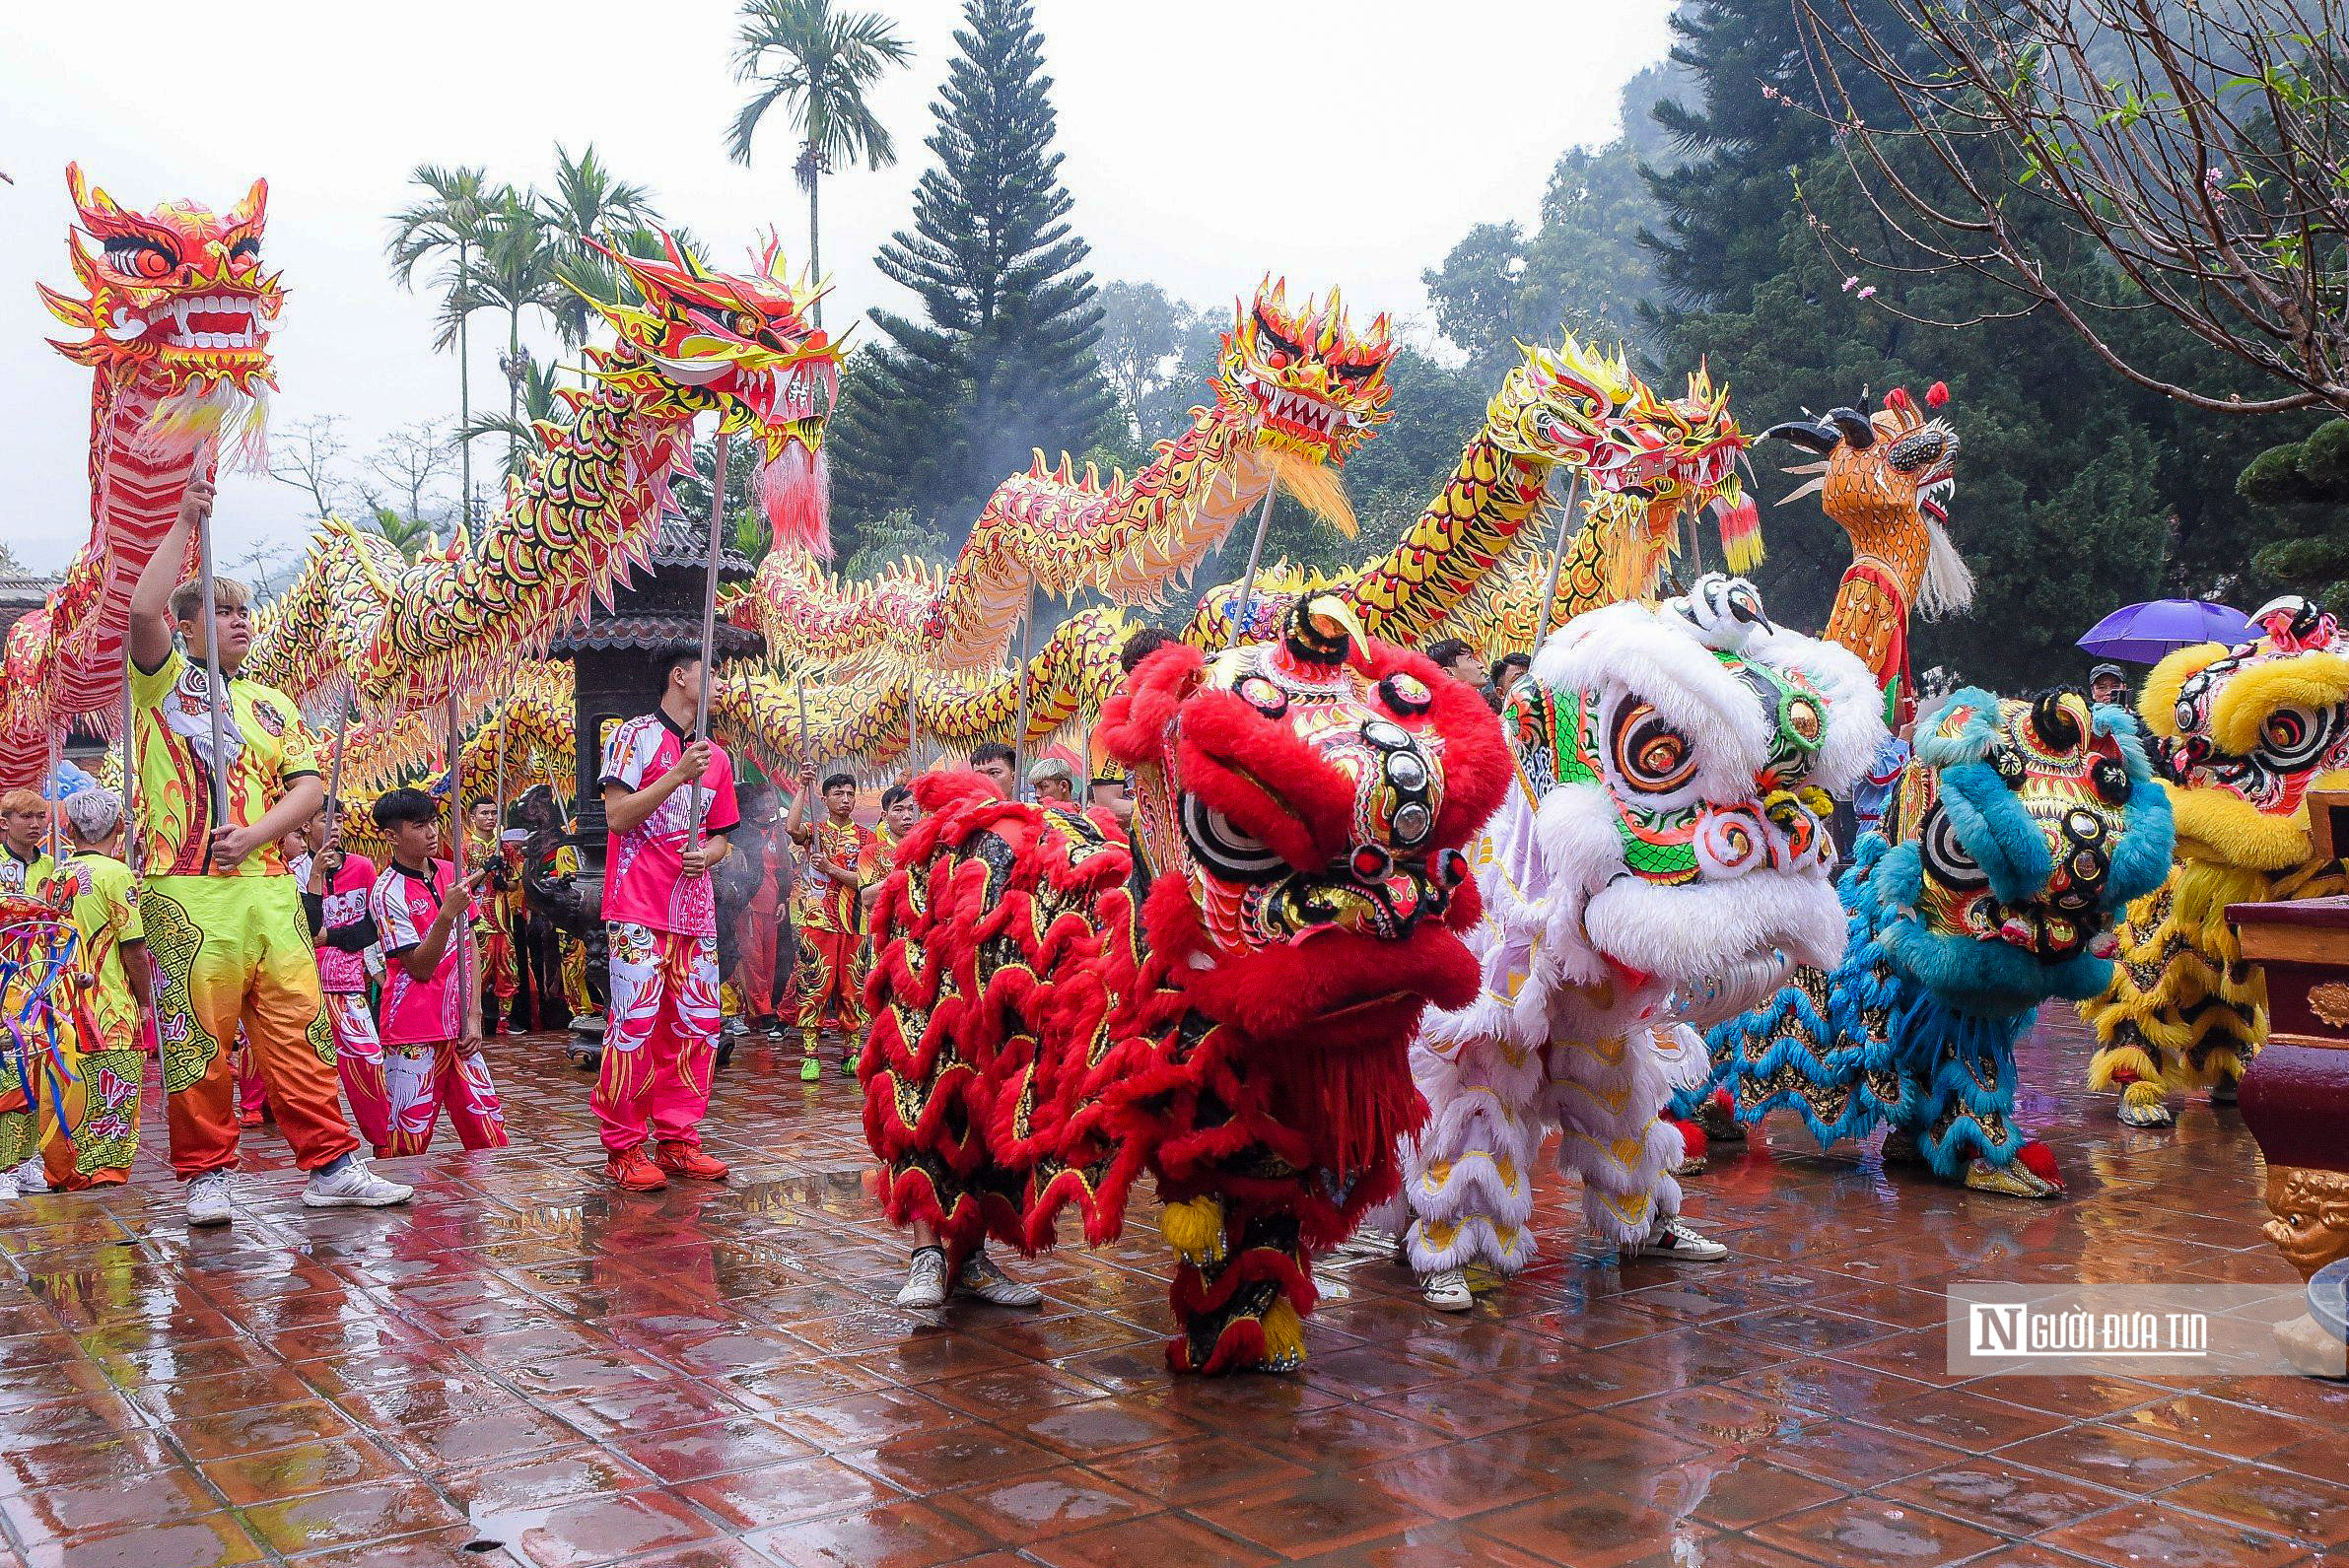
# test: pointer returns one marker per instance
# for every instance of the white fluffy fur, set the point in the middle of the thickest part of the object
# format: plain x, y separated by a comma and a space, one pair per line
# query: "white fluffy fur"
1557, 1035
1947, 586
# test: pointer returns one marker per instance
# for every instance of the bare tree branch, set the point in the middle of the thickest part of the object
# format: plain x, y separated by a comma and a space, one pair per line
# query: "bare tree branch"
2200, 146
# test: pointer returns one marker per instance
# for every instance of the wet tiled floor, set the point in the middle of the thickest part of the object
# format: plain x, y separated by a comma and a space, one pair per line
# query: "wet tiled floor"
529, 1367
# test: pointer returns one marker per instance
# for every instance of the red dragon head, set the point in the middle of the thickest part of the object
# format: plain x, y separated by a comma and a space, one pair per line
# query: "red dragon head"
175, 296
1303, 804
1309, 383
746, 345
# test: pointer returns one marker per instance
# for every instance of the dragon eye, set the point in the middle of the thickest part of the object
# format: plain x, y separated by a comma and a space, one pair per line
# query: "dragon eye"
1946, 856
1649, 754
246, 250
1227, 849
140, 258
748, 323
1272, 341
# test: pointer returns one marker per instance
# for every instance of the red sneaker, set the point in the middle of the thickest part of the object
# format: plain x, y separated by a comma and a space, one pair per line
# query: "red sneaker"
689, 1161
630, 1169
248, 1119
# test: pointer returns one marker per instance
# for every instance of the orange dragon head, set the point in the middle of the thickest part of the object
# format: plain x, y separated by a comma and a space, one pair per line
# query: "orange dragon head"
745, 345
1888, 479
1310, 387
176, 296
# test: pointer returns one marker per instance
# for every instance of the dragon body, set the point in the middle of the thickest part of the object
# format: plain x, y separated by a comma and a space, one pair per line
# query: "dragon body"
1647, 461
2021, 831
1296, 391
1046, 1031
586, 511
2243, 733
178, 312
1666, 826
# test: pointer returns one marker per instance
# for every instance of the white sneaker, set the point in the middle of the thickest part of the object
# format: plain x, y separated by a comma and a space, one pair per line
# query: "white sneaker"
31, 1177
210, 1199
353, 1187
1674, 1242
981, 1278
925, 1281
1446, 1290
8, 1187
1329, 1288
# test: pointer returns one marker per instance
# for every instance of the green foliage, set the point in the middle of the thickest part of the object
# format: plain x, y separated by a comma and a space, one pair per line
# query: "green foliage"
1004, 358
2306, 483
891, 538
1585, 268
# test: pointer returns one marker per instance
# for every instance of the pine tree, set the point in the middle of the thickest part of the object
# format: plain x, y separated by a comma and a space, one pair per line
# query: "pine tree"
1004, 360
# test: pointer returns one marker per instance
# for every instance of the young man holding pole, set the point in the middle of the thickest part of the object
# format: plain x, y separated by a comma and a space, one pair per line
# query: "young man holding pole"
227, 770
669, 798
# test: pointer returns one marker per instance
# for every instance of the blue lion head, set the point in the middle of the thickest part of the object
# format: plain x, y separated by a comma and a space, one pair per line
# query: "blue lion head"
2024, 827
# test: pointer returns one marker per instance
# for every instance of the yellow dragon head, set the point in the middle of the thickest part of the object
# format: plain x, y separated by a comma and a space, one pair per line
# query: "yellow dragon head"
176, 296
1308, 386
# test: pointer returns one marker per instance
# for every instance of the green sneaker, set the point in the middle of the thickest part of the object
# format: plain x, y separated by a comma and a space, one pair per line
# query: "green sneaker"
848, 1067
810, 1070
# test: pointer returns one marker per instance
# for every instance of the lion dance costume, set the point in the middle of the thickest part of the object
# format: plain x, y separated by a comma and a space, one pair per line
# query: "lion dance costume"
2021, 830
2242, 735
1667, 824
1044, 1032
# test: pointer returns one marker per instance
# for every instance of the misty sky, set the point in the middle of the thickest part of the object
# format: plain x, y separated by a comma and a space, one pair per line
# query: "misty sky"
1206, 141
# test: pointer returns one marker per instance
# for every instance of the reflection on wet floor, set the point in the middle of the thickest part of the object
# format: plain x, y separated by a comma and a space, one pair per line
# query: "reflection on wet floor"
529, 1367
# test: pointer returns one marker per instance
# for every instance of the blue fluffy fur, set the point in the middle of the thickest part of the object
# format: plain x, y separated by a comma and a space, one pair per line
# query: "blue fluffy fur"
1952, 1009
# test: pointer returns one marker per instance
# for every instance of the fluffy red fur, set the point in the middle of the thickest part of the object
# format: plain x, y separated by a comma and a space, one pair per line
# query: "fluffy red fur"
2040, 1160
1037, 1042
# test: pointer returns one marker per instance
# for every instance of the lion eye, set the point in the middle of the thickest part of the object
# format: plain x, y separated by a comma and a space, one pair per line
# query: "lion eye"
1649, 754
1946, 855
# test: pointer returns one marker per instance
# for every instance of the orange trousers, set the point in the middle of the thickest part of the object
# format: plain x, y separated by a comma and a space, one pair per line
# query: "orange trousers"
234, 950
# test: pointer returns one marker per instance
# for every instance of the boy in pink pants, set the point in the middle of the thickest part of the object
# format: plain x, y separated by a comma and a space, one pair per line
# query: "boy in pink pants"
335, 887
660, 1032
431, 1026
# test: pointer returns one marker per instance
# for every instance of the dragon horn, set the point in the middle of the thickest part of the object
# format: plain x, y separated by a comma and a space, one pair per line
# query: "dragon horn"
1855, 426
1811, 434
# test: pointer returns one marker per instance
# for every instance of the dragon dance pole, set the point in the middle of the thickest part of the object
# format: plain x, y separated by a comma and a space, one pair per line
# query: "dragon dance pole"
456, 850
1558, 560
334, 771
130, 773
1256, 555
700, 705
1020, 734
214, 777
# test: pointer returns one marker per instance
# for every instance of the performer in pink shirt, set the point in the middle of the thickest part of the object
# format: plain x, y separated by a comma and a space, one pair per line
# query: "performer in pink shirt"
336, 885
661, 1030
431, 1026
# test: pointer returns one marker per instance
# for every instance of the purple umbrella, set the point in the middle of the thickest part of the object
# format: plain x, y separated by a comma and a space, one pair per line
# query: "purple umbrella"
2143, 633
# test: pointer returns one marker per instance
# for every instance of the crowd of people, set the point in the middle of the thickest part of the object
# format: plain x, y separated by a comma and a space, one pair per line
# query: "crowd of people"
224, 929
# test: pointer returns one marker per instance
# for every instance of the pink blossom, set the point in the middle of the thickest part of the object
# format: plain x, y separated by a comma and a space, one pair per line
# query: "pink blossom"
1849, 284
1768, 90
1868, 292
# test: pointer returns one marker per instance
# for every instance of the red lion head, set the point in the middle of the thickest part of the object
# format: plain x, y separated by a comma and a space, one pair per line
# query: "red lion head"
1303, 805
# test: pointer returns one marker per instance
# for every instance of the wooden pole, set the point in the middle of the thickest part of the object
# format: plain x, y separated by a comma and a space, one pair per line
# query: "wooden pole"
334, 770
1256, 555
1557, 560
456, 855
216, 776
1020, 733
130, 773
701, 707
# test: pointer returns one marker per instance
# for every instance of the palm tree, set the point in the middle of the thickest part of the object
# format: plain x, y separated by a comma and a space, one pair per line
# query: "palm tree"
586, 202
448, 219
516, 272
538, 403
823, 61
